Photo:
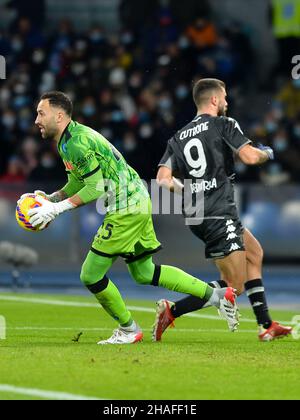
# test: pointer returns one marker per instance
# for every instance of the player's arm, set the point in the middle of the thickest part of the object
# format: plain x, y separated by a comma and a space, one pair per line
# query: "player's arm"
92, 186
166, 179
165, 175
255, 156
234, 137
71, 188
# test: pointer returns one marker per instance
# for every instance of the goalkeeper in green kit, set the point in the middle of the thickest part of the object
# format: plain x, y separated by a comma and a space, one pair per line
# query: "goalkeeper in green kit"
96, 169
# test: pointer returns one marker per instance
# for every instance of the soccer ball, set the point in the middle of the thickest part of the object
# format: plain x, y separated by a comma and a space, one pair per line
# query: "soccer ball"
25, 204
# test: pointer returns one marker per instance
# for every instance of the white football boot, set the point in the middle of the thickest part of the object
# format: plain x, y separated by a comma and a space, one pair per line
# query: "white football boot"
125, 335
227, 307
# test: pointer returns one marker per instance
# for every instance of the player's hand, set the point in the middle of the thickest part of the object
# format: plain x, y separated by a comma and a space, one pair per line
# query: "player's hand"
42, 194
41, 216
267, 149
37, 192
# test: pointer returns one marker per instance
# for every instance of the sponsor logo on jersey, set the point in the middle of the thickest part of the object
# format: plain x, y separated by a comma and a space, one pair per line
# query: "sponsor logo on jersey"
234, 247
197, 187
68, 166
192, 132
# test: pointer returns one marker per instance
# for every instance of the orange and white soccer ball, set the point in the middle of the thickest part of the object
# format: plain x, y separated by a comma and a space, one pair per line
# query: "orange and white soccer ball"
24, 205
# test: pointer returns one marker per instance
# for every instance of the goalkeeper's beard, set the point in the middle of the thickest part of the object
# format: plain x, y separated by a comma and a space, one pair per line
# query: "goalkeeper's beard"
50, 133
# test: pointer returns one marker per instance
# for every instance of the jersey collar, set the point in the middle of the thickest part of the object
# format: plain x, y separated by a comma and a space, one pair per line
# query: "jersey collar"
66, 132
198, 117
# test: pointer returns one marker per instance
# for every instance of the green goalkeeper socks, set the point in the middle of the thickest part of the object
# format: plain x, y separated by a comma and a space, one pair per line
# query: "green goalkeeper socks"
112, 302
173, 278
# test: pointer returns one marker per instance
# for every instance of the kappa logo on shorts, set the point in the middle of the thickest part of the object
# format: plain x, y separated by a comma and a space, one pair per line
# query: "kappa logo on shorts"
231, 236
229, 222
231, 229
234, 247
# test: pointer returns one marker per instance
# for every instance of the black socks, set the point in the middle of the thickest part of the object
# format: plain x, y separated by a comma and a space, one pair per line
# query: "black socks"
192, 303
256, 294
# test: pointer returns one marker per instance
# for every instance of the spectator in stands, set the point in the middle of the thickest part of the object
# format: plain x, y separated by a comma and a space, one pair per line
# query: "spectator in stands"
15, 172
136, 100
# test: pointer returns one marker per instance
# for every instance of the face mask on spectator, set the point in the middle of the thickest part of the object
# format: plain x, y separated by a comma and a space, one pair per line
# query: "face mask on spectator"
271, 126
89, 110
274, 169
20, 89
280, 144
240, 167
297, 131
165, 104
24, 124
181, 92
17, 45
20, 101
129, 144
146, 131
296, 83
117, 116
126, 38
5, 94
8, 120
96, 36
183, 42
48, 162
38, 56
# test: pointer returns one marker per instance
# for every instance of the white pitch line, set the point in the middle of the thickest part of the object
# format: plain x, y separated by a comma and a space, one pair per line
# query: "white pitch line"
183, 330
50, 395
95, 305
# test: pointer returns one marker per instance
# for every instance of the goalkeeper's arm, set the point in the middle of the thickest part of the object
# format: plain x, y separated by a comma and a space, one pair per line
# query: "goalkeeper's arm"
79, 192
69, 190
92, 190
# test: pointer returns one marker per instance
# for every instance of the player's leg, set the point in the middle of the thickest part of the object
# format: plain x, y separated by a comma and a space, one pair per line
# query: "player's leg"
93, 275
233, 270
145, 272
222, 238
256, 291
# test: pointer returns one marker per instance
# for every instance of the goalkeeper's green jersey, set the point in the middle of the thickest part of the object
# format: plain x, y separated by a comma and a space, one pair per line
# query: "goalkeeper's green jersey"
97, 169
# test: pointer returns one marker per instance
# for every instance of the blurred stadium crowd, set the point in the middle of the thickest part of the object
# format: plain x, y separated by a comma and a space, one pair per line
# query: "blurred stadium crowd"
135, 87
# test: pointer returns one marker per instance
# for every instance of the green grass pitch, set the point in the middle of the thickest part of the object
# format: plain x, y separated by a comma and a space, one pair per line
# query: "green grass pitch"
199, 359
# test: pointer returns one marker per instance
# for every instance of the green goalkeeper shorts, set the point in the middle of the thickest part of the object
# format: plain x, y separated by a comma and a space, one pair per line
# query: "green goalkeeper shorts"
128, 233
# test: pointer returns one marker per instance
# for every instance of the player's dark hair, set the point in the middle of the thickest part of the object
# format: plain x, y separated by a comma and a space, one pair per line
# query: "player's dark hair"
204, 87
59, 100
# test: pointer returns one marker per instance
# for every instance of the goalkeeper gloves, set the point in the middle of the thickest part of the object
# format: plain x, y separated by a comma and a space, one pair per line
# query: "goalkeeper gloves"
41, 216
267, 149
37, 192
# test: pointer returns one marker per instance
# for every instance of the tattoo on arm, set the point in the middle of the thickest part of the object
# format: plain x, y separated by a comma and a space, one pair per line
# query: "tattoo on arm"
58, 196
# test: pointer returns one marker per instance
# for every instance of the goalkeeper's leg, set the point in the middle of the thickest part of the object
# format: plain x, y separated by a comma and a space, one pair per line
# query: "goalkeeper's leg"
93, 276
144, 271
